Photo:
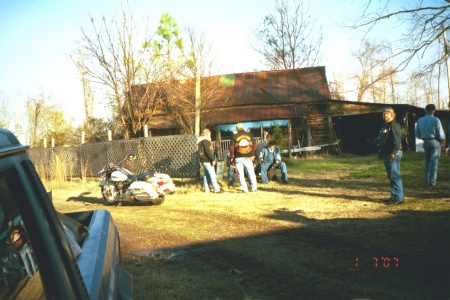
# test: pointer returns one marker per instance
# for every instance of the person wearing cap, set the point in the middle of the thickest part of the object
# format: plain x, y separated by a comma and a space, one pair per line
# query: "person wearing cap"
429, 129
208, 161
270, 158
242, 153
390, 145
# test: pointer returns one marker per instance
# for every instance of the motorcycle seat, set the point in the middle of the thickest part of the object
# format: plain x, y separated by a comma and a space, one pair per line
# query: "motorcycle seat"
144, 176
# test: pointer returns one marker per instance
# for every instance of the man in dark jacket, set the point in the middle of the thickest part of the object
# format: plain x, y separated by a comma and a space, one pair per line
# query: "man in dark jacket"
208, 161
242, 153
390, 144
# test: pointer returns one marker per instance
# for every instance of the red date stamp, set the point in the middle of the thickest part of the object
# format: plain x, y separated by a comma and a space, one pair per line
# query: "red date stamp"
378, 262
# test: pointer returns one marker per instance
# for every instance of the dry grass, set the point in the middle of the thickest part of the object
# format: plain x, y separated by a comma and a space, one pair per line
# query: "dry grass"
287, 241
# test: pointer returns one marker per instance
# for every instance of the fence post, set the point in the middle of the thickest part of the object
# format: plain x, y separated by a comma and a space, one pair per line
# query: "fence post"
145, 131
109, 135
45, 142
82, 137
53, 143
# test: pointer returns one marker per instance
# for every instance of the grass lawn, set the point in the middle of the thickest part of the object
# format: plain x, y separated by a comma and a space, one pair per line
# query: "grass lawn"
326, 235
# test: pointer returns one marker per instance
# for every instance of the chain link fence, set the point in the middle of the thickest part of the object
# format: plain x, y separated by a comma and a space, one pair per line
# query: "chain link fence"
173, 155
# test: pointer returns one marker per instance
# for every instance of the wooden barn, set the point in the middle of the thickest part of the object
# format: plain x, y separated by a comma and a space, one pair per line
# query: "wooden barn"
299, 102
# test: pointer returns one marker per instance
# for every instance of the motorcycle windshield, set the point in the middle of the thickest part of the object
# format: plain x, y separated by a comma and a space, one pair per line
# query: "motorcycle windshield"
125, 171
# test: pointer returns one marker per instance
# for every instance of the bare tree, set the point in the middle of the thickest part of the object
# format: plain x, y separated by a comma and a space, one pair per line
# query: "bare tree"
88, 94
286, 38
426, 26
373, 73
336, 90
412, 90
118, 62
152, 79
46, 121
5, 115
182, 101
35, 107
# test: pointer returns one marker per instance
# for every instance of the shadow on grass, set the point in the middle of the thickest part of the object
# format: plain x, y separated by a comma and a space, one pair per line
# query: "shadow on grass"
87, 197
404, 256
411, 191
84, 198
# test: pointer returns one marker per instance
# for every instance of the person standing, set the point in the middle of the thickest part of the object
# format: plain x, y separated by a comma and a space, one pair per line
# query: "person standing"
389, 142
447, 137
270, 157
242, 153
231, 171
429, 129
208, 161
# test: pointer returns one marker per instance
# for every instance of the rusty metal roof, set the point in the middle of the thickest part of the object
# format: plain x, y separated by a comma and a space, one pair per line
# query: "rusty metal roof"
277, 87
260, 95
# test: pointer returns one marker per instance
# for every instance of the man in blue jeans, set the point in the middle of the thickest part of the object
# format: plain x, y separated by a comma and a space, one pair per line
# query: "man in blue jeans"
270, 158
390, 144
208, 160
242, 153
231, 171
429, 129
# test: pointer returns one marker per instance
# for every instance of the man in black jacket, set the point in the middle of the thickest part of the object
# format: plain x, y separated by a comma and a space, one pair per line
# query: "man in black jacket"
208, 161
242, 153
390, 144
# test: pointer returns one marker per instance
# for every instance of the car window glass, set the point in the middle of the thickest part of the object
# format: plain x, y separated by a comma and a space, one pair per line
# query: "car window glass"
18, 269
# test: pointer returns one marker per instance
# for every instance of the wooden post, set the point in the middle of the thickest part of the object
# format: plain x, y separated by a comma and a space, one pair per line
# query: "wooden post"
261, 128
45, 142
289, 139
83, 134
145, 130
219, 141
53, 143
309, 137
109, 135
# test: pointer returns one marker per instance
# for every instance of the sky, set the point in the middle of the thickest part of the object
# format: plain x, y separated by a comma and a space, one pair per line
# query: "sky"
37, 37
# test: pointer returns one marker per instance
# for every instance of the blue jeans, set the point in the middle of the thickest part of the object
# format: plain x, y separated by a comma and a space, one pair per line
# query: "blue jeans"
230, 176
266, 166
245, 164
231, 173
432, 150
209, 177
393, 173
28, 260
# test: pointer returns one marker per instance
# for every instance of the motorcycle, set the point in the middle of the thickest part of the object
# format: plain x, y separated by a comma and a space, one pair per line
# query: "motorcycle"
119, 184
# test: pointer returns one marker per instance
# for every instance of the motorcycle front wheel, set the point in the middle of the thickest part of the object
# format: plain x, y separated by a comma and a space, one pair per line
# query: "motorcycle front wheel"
110, 193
